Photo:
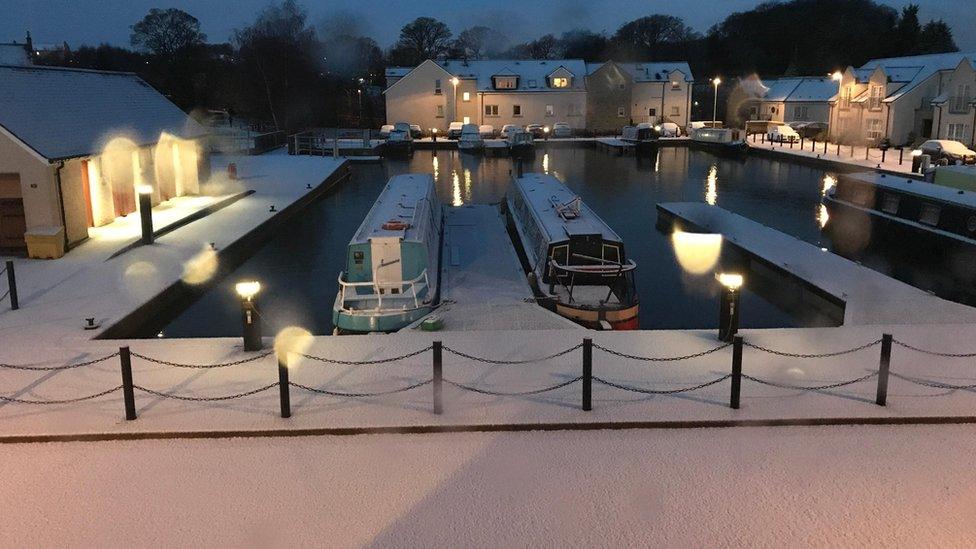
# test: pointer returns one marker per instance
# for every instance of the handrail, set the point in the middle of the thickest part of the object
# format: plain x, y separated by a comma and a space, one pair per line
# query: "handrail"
410, 293
597, 269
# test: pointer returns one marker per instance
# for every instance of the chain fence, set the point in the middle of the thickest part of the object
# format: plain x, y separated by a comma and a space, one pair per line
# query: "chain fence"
932, 353
511, 362
933, 384
812, 355
203, 366
57, 368
513, 393
662, 359
633, 389
366, 362
60, 401
358, 395
810, 388
205, 399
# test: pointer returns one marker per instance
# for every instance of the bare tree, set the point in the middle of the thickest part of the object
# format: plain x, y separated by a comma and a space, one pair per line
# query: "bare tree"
424, 38
479, 42
166, 32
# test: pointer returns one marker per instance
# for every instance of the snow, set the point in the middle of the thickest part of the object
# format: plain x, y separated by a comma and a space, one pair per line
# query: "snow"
658, 71
869, 296
761, 487
963, 198
913, 70
65, 113
873, 161
532, 74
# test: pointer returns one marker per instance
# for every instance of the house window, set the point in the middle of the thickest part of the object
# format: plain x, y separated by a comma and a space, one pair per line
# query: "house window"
559, 82
620, 112
958, 132
651, 112
550, 110
675, 111
930, 214
800, 113
505, 82
873, 128
439, 111
574, 110
491, 110
437, 86
675, 85
467, 120
516, 110
621, 86
874, 102
960, 102
466, 96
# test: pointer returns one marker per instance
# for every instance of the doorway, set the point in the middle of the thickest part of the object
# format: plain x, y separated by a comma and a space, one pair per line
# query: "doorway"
13, 223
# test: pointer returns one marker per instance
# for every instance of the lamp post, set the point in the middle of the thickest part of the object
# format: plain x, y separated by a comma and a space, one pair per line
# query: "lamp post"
836, 76
545, 133
728, 314
247, 290
455, 82
145, 212
715, 82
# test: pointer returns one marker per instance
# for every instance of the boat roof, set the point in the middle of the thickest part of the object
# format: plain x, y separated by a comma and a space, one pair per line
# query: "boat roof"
924, 189
541, 190
407, 198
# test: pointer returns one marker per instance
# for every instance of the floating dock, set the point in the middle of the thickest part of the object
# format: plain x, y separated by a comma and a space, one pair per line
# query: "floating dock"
483, 286
616, 146
867, 296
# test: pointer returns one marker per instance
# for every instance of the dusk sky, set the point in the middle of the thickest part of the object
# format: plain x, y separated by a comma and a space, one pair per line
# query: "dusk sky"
90, 22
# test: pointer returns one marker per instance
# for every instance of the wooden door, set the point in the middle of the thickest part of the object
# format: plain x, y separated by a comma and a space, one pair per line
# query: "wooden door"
13, 224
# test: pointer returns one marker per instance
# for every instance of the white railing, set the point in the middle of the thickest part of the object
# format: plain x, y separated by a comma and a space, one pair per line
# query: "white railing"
409, 291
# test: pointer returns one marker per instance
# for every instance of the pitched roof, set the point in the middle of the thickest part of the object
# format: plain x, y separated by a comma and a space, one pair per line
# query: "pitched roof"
913, 70
65, 113
657, 71
799, 89
529, 71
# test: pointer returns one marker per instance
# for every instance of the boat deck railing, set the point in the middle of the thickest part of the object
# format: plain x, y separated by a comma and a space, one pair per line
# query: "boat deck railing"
411, 292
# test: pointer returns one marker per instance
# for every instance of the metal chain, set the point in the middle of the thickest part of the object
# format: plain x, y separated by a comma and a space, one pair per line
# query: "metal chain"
206, 399
815, 388
661, 391
933, 384
662, 359
821, 355
340, 394
518, 393
202, 366
366, 362
55, 368
511, 362
934, 353
61, 401
4, 296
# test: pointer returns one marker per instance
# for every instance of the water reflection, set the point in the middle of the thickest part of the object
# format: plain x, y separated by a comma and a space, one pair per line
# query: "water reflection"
436, 165
545, 163
711, 191
822, 216
456, 184
467, 184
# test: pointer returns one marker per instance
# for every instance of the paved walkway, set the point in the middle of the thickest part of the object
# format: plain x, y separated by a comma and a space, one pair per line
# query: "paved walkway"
853, 155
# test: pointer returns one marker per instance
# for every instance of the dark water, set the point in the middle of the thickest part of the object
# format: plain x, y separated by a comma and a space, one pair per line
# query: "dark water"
299, 266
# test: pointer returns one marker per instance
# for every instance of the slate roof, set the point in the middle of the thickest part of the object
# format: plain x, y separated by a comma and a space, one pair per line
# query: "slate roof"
799, 89
65, 113
913, 70
657, 71
529, 71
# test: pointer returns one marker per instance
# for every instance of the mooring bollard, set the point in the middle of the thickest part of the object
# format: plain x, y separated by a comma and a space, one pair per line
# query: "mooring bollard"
283, 385
125, 357
736, 372
438, 377
587, 374
883, 367
12, 285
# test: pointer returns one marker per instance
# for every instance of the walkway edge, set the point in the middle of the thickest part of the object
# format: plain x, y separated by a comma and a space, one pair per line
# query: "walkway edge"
491, 428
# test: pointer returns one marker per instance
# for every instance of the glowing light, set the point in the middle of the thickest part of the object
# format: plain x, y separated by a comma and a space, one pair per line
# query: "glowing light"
433, 130
837, 76
829, 182
731, 281
917, 152
716, 81
822, 216
657, 128
711, 190
248, 289
697, 253
455, 81
545, 163
144, 189
292, 339
545, 129
201, 267
456, 184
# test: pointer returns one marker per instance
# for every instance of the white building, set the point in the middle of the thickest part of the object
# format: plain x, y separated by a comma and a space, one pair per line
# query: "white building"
790, 99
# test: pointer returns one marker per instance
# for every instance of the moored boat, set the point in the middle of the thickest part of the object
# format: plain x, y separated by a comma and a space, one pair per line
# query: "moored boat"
725, 139
470, 139
391, 275
520, 143
644, 136
576, 262
400, 140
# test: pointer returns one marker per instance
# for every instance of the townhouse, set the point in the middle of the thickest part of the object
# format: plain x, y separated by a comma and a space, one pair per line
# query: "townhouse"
786, 100
591, 96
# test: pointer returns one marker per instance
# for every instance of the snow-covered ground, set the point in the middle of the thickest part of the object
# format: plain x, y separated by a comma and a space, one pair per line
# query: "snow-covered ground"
861, 157
57, 295
894, 486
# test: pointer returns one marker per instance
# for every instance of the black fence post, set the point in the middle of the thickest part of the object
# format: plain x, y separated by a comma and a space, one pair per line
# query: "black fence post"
883, 366
12, 285
736, 372
283, 384
587, 374
825, 147
883, 155
125, 357
901, 155
438, 377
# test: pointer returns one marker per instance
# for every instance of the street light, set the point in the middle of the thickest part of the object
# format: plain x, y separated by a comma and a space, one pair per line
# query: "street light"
837, 76
359, 91
728, 314
455, 81
247, 290
715, 81
145, 212
545, 132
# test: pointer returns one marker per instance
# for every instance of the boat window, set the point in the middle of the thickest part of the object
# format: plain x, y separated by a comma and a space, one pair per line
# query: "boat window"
560, 254
357, 258
930, 214
890, 204
611, 253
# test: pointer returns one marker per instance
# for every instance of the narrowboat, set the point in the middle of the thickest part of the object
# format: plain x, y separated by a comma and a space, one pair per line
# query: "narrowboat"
575, 262
520, 143
400, 140
644, 136
470, 139
392, 262
722, 139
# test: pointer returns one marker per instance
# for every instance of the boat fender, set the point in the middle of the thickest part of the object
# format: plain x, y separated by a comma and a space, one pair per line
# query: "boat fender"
394, 225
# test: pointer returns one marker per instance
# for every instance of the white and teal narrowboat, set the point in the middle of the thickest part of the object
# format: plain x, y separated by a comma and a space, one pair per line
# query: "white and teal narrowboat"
391, 277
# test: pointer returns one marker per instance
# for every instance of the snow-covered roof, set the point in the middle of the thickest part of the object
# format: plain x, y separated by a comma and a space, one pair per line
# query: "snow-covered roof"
407, 198
65, 113
924, 189
14, 54
532, 73
913, 70
799, 89
541, 191
398, 72
657, 71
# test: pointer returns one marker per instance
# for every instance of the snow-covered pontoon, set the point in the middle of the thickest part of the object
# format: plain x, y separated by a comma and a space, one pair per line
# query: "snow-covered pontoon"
391, 274
576, 261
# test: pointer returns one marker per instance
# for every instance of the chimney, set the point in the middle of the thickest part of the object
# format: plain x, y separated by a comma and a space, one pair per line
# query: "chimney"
29, 45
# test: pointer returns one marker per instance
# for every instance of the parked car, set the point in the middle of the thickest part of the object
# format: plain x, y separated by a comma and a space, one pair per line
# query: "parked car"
536, 130
509, 129
951, 151
810, 130
487, 131
668, 129
454, 130
561, 129
415, 131
385, 130
782, 134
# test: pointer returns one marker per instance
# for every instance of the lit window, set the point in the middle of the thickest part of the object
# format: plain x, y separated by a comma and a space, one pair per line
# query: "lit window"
466, 96
550, 110
675, 85
467, 120
620, 112
560, 82
506, 82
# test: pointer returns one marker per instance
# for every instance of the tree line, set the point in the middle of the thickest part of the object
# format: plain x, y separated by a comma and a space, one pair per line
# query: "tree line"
286, 71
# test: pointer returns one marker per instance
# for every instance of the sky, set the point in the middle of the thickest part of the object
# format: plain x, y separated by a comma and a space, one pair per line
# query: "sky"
90, 22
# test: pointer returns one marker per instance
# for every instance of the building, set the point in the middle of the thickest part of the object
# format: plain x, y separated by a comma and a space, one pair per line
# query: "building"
595, 96
76, 145
906, 100
793, 99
